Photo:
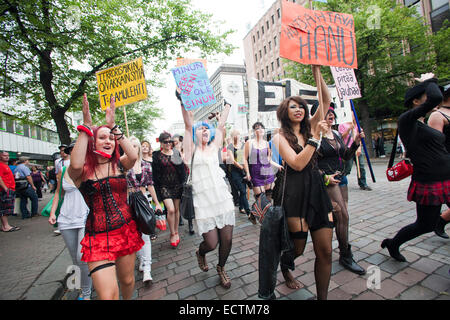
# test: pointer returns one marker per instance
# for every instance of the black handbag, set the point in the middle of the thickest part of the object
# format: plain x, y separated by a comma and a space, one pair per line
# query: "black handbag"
187, 202
21, 184
143, 214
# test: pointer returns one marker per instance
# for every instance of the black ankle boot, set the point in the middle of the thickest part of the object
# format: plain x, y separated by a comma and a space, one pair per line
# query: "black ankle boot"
347, 261
191, 227
393, 252
439, 229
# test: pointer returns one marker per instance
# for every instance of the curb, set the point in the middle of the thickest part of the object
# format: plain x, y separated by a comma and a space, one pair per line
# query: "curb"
46, 286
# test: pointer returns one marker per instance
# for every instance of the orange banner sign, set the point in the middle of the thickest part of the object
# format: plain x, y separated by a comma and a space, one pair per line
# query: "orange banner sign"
317, 37
186, 61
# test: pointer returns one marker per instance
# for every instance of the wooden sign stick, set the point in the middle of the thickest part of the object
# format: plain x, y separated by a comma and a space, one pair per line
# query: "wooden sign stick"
126, 122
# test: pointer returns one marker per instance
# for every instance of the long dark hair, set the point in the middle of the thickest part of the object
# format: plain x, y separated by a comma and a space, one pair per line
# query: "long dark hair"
286, 127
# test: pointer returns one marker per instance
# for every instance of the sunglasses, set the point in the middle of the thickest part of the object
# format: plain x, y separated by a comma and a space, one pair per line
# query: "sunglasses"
167, 141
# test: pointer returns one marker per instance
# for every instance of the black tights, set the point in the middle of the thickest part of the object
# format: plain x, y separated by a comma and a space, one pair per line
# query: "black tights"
223, 237
340, 214
425, 222
322, 249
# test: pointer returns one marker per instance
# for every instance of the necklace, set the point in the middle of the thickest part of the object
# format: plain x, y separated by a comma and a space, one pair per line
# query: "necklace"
446, 107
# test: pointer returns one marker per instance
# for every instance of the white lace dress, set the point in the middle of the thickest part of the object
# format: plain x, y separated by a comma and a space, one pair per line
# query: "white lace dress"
213, 202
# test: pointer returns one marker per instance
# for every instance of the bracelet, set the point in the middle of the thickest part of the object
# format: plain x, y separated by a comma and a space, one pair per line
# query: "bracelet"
328, 180
313, 143
121, 136
85, 129
115, 126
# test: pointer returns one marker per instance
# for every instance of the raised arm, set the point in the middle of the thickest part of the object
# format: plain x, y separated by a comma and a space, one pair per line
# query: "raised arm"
218, 140
298, 161
130, 155
188, 118
326, 97
78, 154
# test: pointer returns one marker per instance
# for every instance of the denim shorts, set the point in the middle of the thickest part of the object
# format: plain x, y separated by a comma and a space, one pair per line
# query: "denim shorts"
344, 181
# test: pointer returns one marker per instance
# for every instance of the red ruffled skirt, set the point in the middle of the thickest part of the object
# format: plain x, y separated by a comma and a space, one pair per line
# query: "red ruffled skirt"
429, 194
113, 244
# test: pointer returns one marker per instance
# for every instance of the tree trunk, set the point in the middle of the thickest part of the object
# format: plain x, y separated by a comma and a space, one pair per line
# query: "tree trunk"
61, 125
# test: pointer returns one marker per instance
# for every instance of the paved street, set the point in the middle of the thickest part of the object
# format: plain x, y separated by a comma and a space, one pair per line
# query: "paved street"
33, 261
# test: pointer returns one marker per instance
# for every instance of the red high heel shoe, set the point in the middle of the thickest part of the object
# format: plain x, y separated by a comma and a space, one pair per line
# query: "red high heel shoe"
176, 243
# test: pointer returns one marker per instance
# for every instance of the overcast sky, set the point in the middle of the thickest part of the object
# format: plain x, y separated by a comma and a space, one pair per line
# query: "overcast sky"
240, 15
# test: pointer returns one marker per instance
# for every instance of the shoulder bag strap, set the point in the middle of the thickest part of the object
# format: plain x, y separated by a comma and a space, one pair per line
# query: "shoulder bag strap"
394, 151
445, 116
284, 183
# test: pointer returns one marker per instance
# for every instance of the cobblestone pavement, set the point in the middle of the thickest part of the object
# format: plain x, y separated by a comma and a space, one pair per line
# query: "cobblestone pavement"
374, 215
33, 261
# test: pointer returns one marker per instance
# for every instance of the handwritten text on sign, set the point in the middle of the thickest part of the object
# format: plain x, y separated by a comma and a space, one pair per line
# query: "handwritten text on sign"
317, 37
126, 82
196, 90
346, 84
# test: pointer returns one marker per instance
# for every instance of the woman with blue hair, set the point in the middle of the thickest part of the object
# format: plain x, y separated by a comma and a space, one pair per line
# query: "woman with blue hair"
213, 203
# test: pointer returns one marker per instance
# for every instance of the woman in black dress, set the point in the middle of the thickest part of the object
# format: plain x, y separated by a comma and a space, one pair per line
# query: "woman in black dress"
425, 146
168, 176
333, 153
306, 203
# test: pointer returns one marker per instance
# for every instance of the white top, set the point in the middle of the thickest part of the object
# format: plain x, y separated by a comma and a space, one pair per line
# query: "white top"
74, 210
213, 202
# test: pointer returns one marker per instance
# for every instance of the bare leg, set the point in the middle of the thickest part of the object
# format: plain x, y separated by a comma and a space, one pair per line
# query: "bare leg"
125, 275
104, 280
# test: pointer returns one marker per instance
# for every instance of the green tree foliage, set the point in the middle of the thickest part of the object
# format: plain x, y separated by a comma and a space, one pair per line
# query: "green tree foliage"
391, 52
51, 49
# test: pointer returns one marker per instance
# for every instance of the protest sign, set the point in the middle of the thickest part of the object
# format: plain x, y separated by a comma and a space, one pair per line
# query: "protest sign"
265, 97
196, 90
242, 109
186, 61
126, 82
346, 83
317, 37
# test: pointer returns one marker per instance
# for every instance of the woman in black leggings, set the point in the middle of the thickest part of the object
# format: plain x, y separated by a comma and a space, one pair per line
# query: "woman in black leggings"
430, 182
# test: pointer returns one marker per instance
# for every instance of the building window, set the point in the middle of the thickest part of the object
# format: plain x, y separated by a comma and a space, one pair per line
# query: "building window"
267, 70
257, 33
439, 13
278, 62
279, 13
254, 40
2, 122
273, 20
275, 40
26, 130
256, 57
267, 24
260, 54
265, 50
262, 73
415, 4
257, 75
18, 128
272, 66
262, 29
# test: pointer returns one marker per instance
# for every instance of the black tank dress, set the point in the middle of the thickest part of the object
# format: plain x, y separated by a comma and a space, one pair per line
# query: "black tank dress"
306, 195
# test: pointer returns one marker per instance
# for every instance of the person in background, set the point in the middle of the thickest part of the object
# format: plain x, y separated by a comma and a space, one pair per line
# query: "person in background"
169, 175
430, 181
23, 172
349, 131
440, 120
331, 156
52, 178
71, 223
140, 178
178, 144
12, 164
237, 172
147, 152
38, 180
258, 162
7, 193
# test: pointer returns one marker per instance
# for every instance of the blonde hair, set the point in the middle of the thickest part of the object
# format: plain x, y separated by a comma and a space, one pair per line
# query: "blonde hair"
234, 133
133, 139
